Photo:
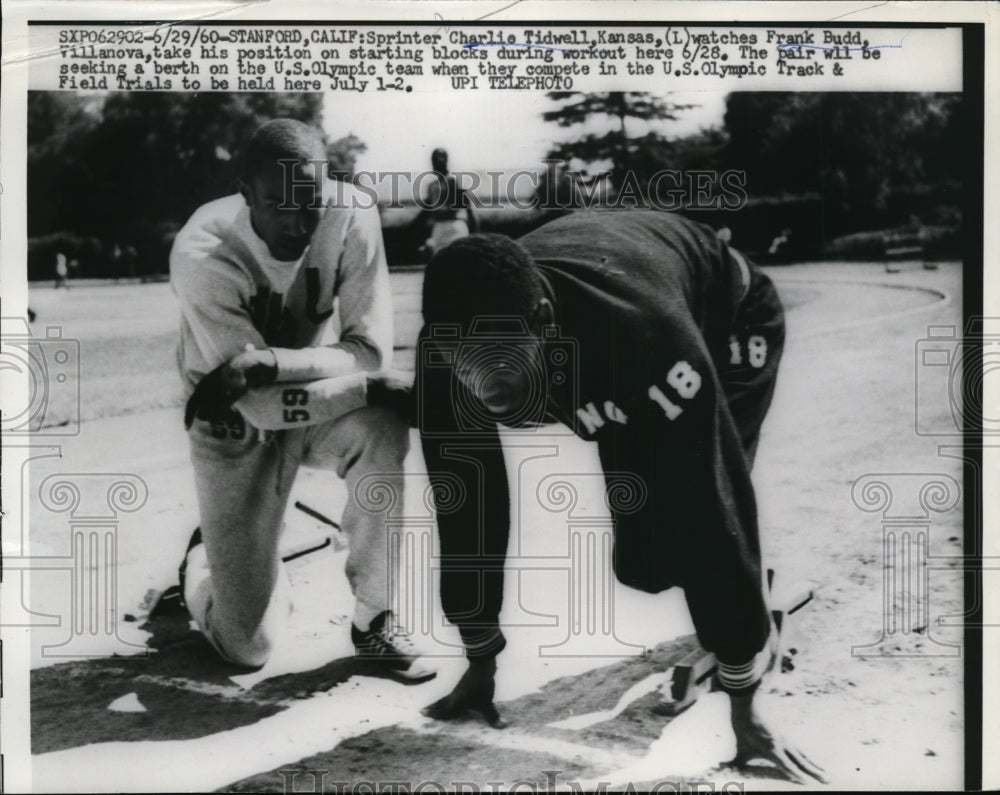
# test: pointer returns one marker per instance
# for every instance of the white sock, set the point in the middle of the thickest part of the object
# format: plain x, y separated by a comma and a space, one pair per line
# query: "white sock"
364, 614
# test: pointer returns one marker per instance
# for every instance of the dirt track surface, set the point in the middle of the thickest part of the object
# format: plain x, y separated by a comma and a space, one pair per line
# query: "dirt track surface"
845, 408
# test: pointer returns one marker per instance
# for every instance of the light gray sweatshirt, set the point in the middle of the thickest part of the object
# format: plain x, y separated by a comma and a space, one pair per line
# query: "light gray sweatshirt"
233, 295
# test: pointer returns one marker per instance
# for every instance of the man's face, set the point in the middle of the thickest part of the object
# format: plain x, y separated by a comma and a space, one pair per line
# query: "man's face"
439, 161
285, 203
508, 377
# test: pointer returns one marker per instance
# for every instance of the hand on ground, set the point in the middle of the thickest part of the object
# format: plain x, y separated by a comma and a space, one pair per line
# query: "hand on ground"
756, 739
473, 693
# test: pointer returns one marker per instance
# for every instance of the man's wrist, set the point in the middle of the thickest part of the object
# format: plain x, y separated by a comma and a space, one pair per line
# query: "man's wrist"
742, 703
386, 391
483, 644
261, 367
745, 678
484, 664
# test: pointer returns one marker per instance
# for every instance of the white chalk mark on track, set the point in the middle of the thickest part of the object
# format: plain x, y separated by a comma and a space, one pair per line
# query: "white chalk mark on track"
638, 690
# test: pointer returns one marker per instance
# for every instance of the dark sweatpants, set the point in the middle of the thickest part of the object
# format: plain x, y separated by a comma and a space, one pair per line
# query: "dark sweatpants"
697, 526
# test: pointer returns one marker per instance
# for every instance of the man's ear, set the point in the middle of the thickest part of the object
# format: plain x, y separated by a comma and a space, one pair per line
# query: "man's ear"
544, 315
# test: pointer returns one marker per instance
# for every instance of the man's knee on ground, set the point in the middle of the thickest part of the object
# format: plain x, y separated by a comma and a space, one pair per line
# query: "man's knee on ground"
247, 650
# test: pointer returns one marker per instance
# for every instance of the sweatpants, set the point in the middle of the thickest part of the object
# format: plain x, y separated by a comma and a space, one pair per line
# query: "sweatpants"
244, 477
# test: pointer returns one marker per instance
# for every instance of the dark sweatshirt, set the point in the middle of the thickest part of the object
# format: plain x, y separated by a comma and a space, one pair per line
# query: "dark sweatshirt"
646, 305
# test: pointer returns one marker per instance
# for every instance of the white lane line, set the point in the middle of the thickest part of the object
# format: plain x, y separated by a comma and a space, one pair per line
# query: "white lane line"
306, 728
690, 746
232, 693
202, 764
512, 740
944, 298
639, 689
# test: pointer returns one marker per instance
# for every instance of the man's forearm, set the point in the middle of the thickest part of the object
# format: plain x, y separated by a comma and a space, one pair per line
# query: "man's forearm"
292, 405
469, 485
468, 480
472, 580
327, 361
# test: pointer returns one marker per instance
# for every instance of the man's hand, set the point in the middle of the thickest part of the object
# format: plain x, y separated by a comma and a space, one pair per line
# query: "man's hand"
755, 740
473, 693
217, 391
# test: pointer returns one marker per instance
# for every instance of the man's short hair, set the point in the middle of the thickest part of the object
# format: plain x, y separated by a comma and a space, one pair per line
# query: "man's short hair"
480, 275
282, 139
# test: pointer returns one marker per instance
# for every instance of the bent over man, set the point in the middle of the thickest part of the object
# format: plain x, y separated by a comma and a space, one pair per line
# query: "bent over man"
256, 275
677, 340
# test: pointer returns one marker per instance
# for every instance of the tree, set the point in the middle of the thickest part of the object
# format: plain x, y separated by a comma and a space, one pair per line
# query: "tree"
166, 154
343, 155
59, 126
625, 152
129, 168
853, 149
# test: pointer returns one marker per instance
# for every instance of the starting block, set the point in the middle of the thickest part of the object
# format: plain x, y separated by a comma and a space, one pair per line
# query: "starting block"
695, 674
156, 603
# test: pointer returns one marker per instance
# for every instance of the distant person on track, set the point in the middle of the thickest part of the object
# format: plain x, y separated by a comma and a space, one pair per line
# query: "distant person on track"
129, 257
447, 213
116, 261
677, 340
256, 274
62, 271
779, 246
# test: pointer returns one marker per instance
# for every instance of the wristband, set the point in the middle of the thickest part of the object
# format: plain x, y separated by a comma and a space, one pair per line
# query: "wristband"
389, 393
262, 374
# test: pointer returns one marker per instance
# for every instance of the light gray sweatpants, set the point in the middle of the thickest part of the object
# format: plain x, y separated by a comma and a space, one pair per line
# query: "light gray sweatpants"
243, 479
